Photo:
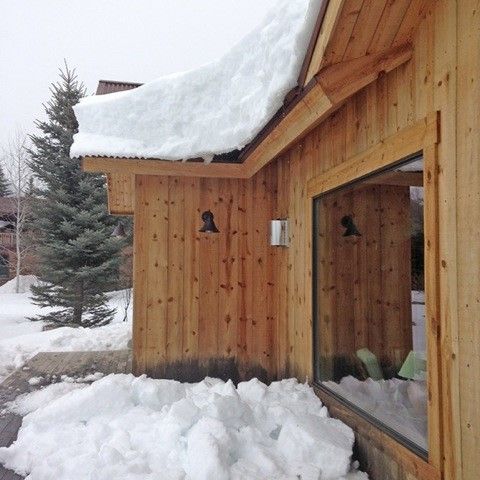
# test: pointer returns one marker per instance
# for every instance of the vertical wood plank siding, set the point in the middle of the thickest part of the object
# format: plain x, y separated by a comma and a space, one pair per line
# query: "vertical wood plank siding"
205, 304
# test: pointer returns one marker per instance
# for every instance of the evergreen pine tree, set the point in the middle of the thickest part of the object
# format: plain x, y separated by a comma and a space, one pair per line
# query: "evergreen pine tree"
4, 188
78, 257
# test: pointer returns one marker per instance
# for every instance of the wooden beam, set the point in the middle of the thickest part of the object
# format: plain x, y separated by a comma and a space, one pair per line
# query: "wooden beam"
397, 178
330, 20
332, 86
343, 79
403, 143
432, 305
130, 166
314, 107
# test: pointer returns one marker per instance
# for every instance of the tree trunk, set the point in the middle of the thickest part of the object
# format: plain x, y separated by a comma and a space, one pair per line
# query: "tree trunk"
78, 306
18, 230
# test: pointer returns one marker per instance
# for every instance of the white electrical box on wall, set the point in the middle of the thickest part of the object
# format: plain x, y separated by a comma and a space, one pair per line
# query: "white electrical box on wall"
279, 233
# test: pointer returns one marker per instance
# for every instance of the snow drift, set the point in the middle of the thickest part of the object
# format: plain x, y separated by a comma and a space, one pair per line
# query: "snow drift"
140, 428
15, 351
214, 109
25, 282
21, 339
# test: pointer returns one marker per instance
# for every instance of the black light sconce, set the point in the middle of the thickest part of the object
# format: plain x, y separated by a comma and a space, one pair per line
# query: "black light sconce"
351, 228
208, 223
119, 231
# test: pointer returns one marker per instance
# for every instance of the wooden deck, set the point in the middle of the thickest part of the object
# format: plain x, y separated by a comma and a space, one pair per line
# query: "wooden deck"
51, 366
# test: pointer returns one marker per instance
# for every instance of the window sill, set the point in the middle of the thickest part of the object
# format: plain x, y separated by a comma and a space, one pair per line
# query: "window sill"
413, 462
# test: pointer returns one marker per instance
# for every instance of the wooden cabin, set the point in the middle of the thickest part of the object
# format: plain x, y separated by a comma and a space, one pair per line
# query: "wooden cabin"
374, 164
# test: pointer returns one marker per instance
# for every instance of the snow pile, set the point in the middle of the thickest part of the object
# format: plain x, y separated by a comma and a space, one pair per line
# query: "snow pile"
15, 351
399, 404
216, 108
30, 402
140, 429
15, 309
26, 281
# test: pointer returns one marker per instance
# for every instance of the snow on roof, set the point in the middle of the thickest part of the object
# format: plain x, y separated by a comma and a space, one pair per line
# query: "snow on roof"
213, 109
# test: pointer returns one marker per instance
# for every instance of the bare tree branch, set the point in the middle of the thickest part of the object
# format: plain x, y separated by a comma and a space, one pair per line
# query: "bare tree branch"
15, 157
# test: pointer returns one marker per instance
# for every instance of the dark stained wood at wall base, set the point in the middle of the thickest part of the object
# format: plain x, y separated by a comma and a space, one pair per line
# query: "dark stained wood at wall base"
194, 370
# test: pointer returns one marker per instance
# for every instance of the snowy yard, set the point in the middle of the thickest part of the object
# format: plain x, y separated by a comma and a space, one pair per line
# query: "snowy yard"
21, 339
125, 427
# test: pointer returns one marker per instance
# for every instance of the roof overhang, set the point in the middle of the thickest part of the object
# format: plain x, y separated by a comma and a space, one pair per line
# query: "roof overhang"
324, 94
351, 46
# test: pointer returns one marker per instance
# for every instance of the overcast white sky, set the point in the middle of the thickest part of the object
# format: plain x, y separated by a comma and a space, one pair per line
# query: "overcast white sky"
130, 40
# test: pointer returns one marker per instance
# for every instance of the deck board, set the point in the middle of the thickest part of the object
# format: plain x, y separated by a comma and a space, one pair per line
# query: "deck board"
51, 366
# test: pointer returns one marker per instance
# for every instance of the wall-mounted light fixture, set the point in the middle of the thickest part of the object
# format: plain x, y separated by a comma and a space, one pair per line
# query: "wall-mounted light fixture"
208, 223
351, 228
279, 233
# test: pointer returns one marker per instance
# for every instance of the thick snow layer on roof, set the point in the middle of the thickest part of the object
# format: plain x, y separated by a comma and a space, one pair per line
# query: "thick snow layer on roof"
214, 109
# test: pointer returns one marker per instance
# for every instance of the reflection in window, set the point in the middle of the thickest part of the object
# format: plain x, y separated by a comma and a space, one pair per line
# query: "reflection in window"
369, 298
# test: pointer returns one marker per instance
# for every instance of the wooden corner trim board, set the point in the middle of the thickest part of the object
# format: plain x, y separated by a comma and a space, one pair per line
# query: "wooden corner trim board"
326, 92
405, 142
167, 168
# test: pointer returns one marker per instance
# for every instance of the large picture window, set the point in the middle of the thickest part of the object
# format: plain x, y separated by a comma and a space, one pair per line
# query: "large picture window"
369, 299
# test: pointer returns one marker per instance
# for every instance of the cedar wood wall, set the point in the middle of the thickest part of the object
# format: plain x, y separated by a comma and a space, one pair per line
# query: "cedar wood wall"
242, 307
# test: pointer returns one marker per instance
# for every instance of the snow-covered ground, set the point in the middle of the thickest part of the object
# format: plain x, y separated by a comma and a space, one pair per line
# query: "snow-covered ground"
140, 429
15, 308
21, 339
132, 428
